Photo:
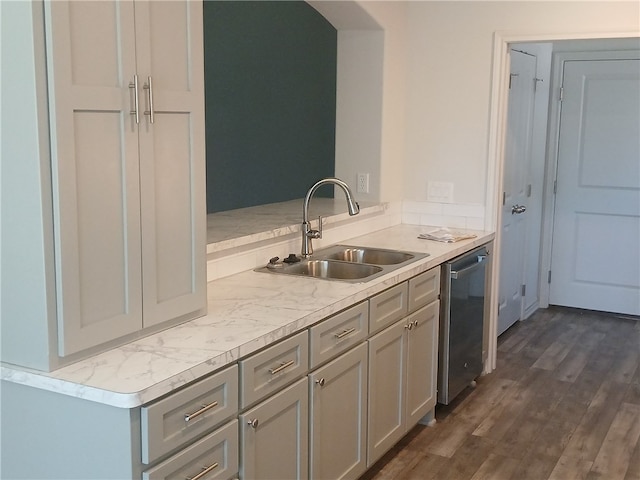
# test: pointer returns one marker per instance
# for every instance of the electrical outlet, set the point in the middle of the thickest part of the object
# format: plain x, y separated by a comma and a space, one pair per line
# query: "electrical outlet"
363, 183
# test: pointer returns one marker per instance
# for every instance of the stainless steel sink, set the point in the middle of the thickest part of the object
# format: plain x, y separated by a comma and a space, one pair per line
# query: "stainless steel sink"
332, 269
373, 256
346, 263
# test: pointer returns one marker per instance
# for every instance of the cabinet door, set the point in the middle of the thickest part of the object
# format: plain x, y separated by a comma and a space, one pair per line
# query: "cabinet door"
170, 56
422, 363
274, 437
94, 147
338, 405
387, 358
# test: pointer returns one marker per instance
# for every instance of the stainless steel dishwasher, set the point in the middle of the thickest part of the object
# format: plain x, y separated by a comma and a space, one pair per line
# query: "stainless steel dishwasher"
463, 292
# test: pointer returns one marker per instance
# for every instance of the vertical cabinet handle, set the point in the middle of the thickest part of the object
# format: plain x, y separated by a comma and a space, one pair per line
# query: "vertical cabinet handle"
149, 88
136, 101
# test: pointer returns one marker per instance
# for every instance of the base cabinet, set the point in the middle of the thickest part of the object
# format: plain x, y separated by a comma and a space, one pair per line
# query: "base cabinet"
337, 416
402, 375
274, 436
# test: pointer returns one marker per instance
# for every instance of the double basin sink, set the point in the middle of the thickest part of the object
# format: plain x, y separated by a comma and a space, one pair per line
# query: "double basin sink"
346, 263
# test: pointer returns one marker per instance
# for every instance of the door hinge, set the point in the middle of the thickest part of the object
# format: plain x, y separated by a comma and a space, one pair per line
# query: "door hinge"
504, 197
561, 96
555, 187
511, 78
529, 190
523, 290
549, 277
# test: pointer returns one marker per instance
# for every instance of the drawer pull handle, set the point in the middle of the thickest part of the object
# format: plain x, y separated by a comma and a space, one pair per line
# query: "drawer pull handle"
204, 471
415, 323
253, 423
282, 366
345, 333
320, 382
205, 408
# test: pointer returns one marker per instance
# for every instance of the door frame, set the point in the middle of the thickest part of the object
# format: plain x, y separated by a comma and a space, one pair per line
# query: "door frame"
495, 161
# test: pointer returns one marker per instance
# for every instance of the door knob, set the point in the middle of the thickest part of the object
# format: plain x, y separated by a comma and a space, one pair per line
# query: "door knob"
518, 209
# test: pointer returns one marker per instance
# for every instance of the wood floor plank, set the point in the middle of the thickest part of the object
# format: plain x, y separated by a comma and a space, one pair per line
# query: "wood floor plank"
618, 446
559, 349
496, 467
467, 459
625, 367
427, 468
633, 394
449, 437
518, 441
553, 438
569, 468
500, 419
587, 438
477, 406
534, 467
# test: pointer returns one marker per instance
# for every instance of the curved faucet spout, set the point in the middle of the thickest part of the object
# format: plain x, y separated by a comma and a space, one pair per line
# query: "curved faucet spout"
307, 232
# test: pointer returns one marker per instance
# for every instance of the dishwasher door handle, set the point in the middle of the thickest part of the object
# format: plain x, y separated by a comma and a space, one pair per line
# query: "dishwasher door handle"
456, 274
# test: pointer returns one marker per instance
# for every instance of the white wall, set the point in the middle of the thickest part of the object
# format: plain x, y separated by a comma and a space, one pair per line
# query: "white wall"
370, 130
449, 89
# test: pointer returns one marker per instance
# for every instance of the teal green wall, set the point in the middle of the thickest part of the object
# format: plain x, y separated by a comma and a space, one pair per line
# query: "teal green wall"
270, 73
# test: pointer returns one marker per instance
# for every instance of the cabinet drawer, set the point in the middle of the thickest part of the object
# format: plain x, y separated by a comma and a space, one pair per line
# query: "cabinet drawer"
424, 289
213, 457
267, 371
173, 421
338, 333
387, 307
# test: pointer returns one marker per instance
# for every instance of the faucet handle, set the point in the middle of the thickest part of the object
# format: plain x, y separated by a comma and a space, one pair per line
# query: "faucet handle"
316, 233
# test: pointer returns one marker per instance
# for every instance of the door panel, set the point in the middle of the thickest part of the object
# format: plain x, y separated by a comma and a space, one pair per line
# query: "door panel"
338, 407
516, 166
595, 260
422, 362
278, 444
91, 60
387, 379
172, 159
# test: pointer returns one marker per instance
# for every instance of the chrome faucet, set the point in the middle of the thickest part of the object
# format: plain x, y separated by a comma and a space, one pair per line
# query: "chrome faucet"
307, 232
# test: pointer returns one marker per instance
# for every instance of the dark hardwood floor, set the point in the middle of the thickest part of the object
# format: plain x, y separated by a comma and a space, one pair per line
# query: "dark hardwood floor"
563, 403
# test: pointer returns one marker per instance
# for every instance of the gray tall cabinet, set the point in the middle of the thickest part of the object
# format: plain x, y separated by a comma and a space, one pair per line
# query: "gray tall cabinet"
126, 97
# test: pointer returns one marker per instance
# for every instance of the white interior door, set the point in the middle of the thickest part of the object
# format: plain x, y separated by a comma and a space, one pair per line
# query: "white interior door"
517, 159
595, 260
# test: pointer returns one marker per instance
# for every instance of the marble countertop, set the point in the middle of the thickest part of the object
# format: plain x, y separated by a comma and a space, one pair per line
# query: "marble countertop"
246, 312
